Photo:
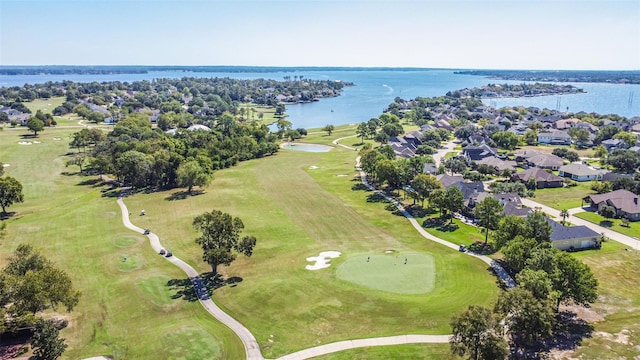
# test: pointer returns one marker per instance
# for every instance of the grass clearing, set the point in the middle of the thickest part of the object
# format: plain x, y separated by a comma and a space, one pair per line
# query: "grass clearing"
614, 224
253, 111
45, 105
392, 272
81, 232
564, 197
617, 271
412, 351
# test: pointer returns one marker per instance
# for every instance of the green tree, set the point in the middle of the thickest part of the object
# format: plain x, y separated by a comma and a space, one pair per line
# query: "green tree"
478, 334
537, 282
362, 130
509, 227
437, 199
600, 152
191, 174
329, 129
505, 139
220, 238
539, 228
527, 318
455, 165
564, 214
34, 124
626, 161
517, 251
424, 185
77, 159
10, 192
578, 135
530, 137
454, 200
133, 167
46, 341
629, 138
489, 211
573, 280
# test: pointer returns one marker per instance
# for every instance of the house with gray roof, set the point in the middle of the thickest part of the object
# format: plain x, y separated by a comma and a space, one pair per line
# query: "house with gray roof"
498, 164
624, 201
475, 153
448, 180
545, 161
580, 172
542, 177
614, 144
573, 237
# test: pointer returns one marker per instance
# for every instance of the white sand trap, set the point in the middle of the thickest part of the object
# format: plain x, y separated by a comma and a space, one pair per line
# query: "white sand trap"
56, 138
313, 167
36, 142
322, 260
341, 175
6, 165
24, 142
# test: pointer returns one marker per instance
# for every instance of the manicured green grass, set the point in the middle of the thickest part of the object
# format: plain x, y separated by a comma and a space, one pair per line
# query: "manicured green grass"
450, 154
296, 211
457, 233
548, 149
46, 105
393, 272
253, 111
126, 308
614, 224
617, 271
413, 351
564, 197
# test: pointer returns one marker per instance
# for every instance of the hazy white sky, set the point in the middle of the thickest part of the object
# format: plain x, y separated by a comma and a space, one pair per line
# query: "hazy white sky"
515, 34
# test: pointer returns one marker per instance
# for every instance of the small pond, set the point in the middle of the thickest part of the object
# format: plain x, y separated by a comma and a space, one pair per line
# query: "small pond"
306, 147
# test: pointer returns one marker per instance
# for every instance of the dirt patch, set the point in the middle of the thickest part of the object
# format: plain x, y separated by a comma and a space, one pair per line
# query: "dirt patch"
587, 314
622, 337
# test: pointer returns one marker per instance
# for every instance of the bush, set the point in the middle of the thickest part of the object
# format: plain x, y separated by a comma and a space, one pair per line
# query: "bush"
570, 183
607, 211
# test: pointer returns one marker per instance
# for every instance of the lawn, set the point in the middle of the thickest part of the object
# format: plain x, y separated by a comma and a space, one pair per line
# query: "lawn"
548, 149
126, 310
253, 112
614, 224
615, 336
564, 197
412, 351
298, 204
46, 105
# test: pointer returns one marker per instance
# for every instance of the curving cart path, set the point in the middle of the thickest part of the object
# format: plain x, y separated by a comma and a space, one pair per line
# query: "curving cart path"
250, 343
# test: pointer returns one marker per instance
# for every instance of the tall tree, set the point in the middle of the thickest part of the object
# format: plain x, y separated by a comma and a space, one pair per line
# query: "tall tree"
454, 200
191, 174
362, 130
478, 334
424, 185
509, 227
488, 212
527, 318
564, 214
220, 238
34, 124
329, 129
10, 192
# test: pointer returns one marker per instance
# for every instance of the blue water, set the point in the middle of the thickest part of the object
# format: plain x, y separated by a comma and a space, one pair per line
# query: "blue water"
374, 90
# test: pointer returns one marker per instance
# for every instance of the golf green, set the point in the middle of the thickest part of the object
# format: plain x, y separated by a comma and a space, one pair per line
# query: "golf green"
394, 272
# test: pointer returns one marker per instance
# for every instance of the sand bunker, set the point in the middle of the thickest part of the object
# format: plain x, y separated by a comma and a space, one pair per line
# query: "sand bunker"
322, 260
313, 167
56, 138
6, 165
24, 143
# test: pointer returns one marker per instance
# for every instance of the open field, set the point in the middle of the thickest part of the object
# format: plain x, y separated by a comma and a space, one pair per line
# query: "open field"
564, 197
46, 105
298, 204
126, 309
617, 334
252, 112
548, 149
417, 352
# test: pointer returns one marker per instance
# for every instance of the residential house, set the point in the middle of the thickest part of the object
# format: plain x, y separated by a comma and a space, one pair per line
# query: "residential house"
511, 203
543, 178
475, 153
554, 137
565, 124
545, 161
448, 180
573, 237
580, 172
430, 168
587, 126
614, 144
624, 201
498, 164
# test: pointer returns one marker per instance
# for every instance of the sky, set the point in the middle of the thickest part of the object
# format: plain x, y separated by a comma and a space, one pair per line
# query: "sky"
506, 34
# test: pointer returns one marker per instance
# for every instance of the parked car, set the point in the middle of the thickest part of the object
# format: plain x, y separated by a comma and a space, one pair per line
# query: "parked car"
462, 248
168, 254
146, 232
162, 252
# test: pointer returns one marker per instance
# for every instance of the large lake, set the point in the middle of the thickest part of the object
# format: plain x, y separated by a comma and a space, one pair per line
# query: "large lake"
374, 90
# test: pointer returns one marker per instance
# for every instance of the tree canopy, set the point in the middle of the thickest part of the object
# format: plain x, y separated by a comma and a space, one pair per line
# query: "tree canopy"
220, 238
10, 192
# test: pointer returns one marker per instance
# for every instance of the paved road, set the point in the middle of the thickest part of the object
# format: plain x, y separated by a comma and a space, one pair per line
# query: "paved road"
352, 344
613, 235
250, 344
337, 142
439, 155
